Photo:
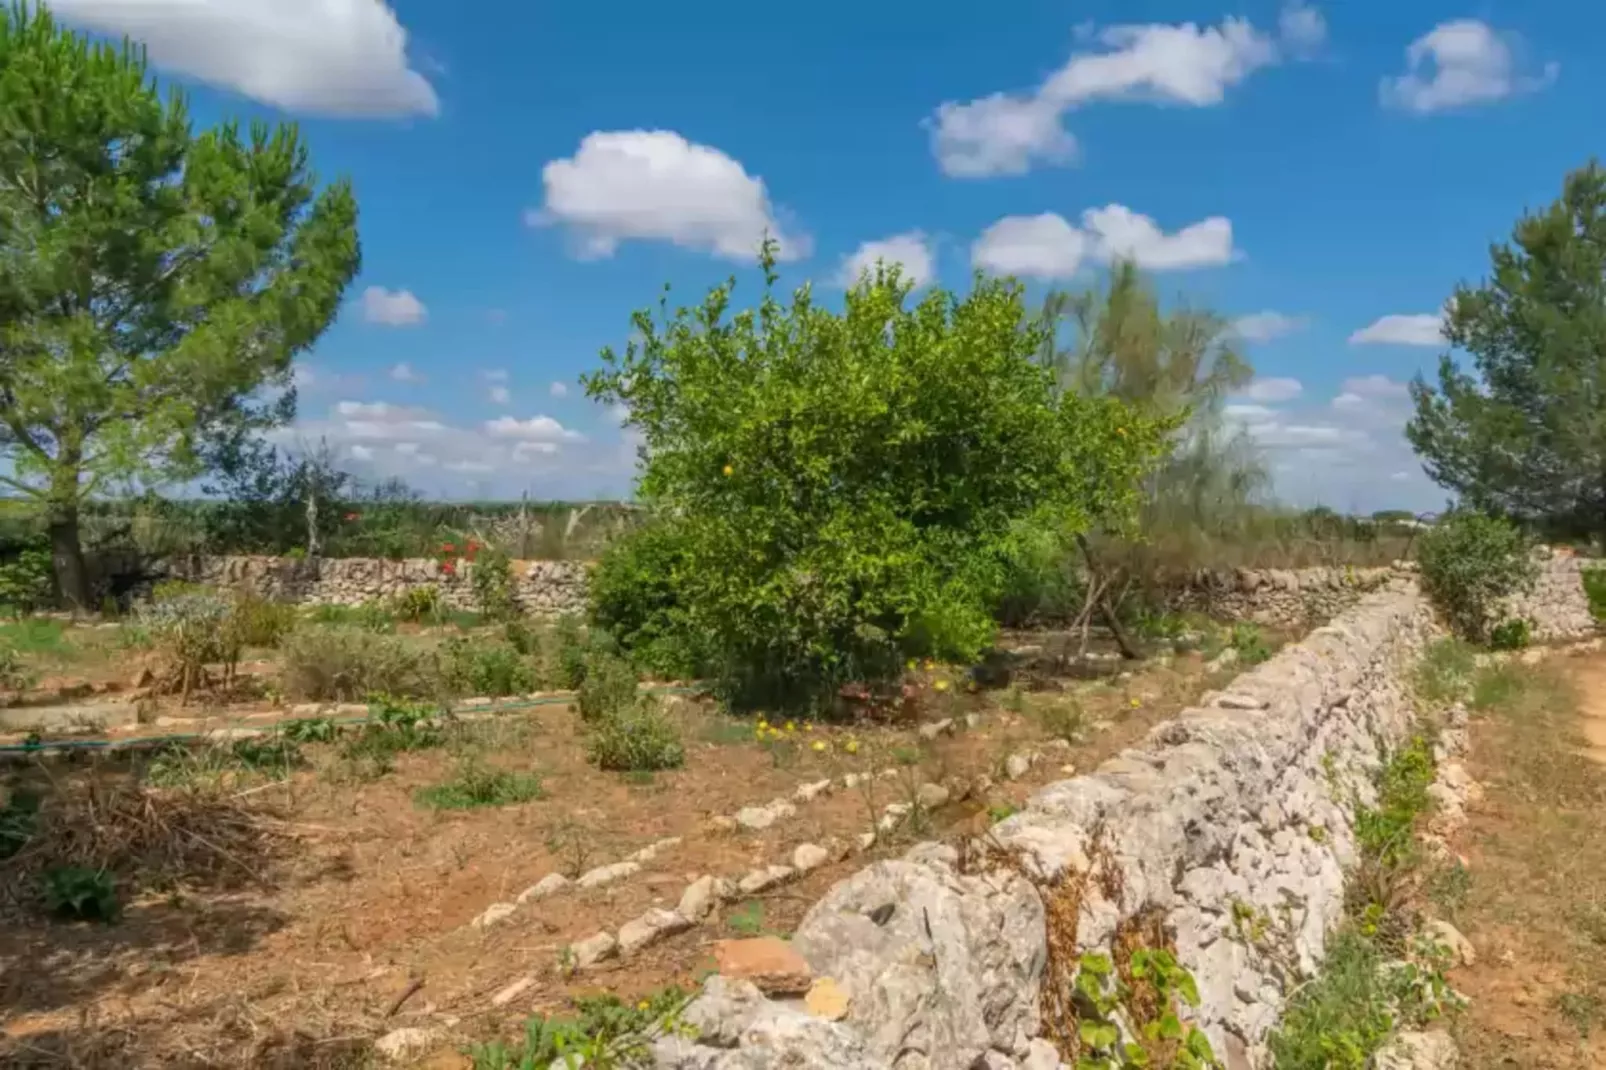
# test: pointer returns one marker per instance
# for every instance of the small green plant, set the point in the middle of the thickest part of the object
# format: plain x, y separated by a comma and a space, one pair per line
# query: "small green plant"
574, 844
1594, 580
257, 622
14, 675
18, 819
1513, 633
492, 578
1063, 718
78, 893
369, 616
746, 920
605, 1033
27, 581
476, 667
310, 730
1250, 644
609, 686
474, 785
1581, 1009
638, 737
1386, 831
1445, 672
395, 727
1157, 987
418, 604
999, 811
1469, 564
347, 664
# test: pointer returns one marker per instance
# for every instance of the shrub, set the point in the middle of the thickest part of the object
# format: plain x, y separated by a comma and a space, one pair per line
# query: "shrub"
370, 616
259, 622
27, 581
566, 653
1470, 563
350, 664
14, 676
847, 490
479, 667
195, 627
639, 737
492, 577
609, 687
636, 597
1513, 633
416, 604
395, 727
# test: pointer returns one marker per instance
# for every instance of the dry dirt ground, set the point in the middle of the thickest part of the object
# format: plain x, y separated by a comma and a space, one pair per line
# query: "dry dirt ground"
328, 908
1532, 895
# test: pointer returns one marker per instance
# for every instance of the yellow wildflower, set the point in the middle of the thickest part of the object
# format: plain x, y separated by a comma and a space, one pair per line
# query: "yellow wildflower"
941, 685
729, 471
851, 746
819, 745
643, 1005
791, 727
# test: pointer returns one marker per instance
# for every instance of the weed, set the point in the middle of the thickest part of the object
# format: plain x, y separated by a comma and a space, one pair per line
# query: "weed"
310, 730
639, 737
418, 604
1250, 644
1160, 1039
78, 893
18, 820
605, 1034
1594, 580
257, 622
1497, 685
999, 811
747, 919
474, 667
907, 756
1513, 633
1444, 672
566, 653
1337, 1022
14, 676
574, 843
1581, 1009
609, 687
474, 785
1063, 718
492, 579
367, 616
522, 636
179, 766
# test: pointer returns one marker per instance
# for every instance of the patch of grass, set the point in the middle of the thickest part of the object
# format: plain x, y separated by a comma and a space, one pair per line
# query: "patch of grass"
474, 785
368, 616
640, 737
179, 766
999, 811
1445, 672
1062, 718
1354, 1006
1583, 1011
38, 636
1250, 644
725, 731
1514, 633
310, 730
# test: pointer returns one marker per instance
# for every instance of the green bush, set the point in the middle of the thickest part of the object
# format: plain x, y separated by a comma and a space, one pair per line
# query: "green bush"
27, 581
636, 598
474, 785
639, 737
261, 623
417, 604
350, 664
492, 578
1250, 644
848, 490
1594, 580
609, 686
1514, 633
1470, 563
476, 666
77, 893
566, 652
14, 675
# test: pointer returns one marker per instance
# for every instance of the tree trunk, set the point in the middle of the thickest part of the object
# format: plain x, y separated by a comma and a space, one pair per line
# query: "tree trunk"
314, 546
67, 557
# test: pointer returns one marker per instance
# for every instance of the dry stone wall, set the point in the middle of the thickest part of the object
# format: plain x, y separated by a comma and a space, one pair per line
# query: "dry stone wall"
539, 587
1228, 831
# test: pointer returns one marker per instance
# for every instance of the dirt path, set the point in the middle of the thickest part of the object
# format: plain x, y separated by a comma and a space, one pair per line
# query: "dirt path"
1531, 895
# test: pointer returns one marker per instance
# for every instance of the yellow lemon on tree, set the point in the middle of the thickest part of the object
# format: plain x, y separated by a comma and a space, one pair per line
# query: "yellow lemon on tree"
729, 471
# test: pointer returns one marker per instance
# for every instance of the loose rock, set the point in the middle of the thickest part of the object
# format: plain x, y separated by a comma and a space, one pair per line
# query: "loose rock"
594, 949
602, 875
654, 925
551, 884
808, 857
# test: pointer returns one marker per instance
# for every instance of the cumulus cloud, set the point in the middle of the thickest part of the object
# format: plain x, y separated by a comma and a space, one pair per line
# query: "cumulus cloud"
911, 251
559, 389
1266, 326
654, 185
336, 58
1461, 63
535, 429
406, 373
1187, 64
392, 308
1273, 389
1048, 247
1397, 330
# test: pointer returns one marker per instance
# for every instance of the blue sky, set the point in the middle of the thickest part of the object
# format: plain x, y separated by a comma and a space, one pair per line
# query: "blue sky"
531, 173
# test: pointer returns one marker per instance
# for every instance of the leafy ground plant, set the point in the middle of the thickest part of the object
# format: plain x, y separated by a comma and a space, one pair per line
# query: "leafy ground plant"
78, 893
473, 666
349, 664
1157, 989
605, 1033
475, 785
609, 687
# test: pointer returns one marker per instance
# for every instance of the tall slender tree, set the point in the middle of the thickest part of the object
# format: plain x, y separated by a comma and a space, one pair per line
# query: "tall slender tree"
1524, 432
155, 283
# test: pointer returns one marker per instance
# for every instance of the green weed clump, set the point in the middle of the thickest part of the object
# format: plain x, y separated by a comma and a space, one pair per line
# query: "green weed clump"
1594, 580
475, 666
1514, 633
605, 1033
257, 622
475, 785
636, 738
78, 893
418, 604
609, 687
1250, 644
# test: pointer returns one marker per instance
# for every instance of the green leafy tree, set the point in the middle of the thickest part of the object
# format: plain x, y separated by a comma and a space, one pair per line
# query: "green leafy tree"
846, 488
155, 283
1524, 433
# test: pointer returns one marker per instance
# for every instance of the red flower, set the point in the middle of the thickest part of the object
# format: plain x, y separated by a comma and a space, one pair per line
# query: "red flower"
472, 546
353, 516
447, 548
448, 568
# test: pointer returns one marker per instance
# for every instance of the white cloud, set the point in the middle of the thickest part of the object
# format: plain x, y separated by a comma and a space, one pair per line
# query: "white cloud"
911, 251
1247, 413
1118, 231
362, 453
1036, 247
342, 58
393, 308
1274, 389
1186, 64
495, 375
1377, 386
1413, 330
654, 185
500, 395
1048, 247
1460, 63
559, 389
535, 429
405, 373
1266, 326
